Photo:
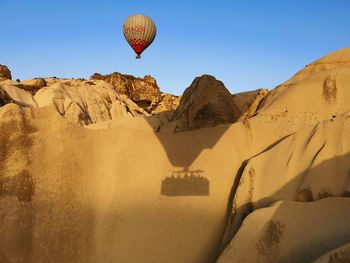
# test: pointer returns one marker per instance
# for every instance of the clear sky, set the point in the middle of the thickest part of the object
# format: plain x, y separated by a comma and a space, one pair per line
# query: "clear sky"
246, 44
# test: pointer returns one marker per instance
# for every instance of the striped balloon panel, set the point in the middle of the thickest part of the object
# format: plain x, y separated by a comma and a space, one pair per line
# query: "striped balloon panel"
140, 31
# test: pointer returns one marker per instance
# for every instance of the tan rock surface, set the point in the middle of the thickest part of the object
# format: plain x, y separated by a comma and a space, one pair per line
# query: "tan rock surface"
291, 232
338, 255
315, 93
86, 102
36, 84
80, 101
168, 102
122, 192
299, 103
97, 194
5, 98
288, 108
206, 103
17, 94
249, 102
312, 164
143, 91
5, 73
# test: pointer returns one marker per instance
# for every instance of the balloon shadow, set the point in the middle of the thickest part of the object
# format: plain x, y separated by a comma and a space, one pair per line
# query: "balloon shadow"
185, 183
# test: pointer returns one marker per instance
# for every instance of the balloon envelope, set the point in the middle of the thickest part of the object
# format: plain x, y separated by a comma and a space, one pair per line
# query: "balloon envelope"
140, 31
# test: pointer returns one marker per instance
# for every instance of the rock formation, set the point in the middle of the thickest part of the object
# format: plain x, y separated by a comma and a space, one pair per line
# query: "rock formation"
5, 73
18, 93
86, 102
206, 103
168, 102
143, 91
339, 254
271, 185
273, 233
4, 98
36, 83
310, 146
249, 102
127, 96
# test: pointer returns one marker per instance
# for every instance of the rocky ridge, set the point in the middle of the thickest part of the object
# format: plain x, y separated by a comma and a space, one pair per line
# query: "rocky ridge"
143, 91
89, 101
206, 103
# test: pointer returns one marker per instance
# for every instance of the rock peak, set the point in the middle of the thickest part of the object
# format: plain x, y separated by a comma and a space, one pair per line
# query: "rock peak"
5, 73
205, 103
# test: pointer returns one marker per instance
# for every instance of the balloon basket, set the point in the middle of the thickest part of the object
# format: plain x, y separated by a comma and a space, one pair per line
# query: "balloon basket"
138, 56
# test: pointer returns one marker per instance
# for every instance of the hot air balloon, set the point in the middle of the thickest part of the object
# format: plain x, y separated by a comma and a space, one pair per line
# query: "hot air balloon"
140, 31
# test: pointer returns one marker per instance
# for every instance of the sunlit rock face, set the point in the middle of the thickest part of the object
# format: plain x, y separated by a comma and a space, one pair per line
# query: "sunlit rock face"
143, 91
88, 102
307, 161
249, 102
4, 98
5, 73
35, 84
168, 102
14, 92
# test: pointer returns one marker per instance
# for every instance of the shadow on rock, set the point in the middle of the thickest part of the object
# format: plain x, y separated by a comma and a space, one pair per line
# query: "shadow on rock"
185, 183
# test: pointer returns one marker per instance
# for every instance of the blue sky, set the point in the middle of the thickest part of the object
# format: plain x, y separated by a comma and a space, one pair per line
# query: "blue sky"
246, 44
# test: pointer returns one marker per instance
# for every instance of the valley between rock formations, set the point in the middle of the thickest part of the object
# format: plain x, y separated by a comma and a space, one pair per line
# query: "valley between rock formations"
111, 169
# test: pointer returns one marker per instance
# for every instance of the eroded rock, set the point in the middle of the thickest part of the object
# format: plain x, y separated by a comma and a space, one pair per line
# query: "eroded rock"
206, 103
143, 91
5, 73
